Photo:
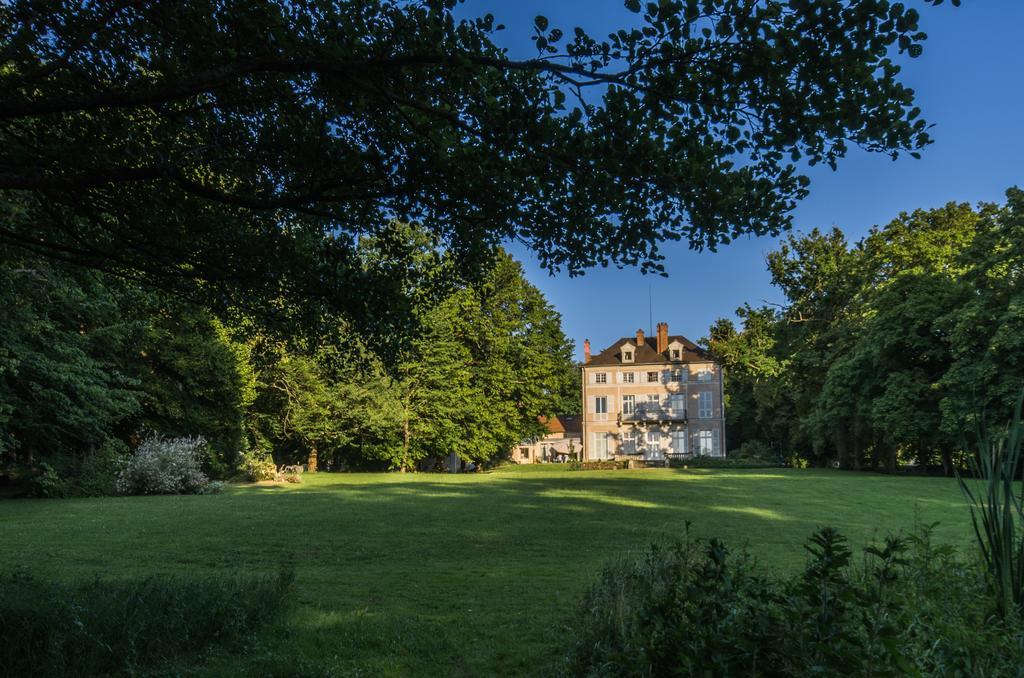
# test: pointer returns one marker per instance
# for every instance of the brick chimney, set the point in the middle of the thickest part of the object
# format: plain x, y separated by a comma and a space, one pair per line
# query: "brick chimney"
662, 337
586, 351
639, 338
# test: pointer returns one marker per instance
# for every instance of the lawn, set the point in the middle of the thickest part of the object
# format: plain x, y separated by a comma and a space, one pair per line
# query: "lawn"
451, 574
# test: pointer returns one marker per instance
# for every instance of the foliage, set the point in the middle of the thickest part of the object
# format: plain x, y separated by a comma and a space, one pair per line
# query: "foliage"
255, 467
87, 359
194, 377
997, 512
265, 137
687, 607
755, 451
65, 387
49, 484
98, 473
162, 465
124, 627
886, 348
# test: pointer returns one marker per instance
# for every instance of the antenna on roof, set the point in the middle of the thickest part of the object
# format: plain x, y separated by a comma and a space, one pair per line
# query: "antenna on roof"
650, 311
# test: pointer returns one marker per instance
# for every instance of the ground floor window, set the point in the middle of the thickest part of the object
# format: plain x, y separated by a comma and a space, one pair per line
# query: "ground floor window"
599, 446
679, 442
630, 442
653, 444
524, 452
707, 443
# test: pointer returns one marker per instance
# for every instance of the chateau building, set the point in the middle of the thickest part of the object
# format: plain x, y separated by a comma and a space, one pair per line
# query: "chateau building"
651, 399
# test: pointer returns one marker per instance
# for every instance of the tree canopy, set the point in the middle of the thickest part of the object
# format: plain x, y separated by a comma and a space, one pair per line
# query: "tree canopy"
896, 347
235, 151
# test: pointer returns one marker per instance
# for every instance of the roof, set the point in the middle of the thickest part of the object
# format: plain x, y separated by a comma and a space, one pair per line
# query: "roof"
647, 353
568, 424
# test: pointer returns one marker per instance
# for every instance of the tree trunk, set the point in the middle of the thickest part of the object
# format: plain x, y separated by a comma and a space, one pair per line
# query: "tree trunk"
843, 448
406, 436
890, 459
947, 463
311, 460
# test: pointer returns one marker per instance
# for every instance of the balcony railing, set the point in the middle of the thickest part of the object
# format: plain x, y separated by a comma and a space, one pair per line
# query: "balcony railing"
654, 414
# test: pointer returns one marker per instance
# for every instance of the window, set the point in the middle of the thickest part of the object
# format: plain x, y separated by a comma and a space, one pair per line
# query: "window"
705, 375
705, 443
601, 378
678, 442
677, 403
628, 404
675, 354
524, 452
601, 405
652, 377
704, 405
654, 438
628, 444
627, 377
600, 446
677, 375
627, 356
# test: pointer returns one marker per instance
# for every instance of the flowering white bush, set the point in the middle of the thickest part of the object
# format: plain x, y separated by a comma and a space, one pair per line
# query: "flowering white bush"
166, 466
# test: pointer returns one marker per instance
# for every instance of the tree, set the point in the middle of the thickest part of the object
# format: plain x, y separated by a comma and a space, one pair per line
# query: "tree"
65, 384
751, 372
986, 330
233, 152
895, 348
493, 359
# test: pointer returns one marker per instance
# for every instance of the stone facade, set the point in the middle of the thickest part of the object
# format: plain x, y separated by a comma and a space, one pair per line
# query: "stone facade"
652, 398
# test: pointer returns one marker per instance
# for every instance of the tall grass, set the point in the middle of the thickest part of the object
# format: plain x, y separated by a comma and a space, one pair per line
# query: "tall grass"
997, 512
124, 627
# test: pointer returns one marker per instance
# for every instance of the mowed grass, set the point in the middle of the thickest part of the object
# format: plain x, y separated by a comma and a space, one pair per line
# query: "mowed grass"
452, 574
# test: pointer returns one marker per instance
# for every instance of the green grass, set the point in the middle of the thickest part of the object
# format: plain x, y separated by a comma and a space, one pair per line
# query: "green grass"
451, 574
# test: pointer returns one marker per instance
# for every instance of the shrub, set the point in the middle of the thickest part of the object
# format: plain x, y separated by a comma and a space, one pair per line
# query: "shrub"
755, 450
48, 483
255, 466
721, 462
165, 466
695, 609
604, 465
104, 628
98, 473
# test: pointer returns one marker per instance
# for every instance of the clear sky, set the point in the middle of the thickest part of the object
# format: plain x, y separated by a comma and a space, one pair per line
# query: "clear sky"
969, 83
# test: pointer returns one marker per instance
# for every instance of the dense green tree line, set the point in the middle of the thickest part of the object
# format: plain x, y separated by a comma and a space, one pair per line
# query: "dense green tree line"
895, 348
89, 361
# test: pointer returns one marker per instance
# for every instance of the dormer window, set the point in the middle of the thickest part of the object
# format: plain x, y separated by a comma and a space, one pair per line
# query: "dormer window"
627, 356
675, 350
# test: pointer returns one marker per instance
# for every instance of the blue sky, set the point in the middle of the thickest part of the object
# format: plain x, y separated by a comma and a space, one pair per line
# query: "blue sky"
969, 83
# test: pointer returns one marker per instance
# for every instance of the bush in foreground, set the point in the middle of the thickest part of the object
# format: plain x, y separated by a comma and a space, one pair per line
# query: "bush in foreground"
103, 628
694, 609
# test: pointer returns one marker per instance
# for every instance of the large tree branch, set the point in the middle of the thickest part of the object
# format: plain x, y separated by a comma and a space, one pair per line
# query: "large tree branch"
205, 81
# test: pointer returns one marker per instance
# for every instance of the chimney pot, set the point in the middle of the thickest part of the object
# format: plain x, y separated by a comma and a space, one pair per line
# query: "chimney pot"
586, 351
639, 338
